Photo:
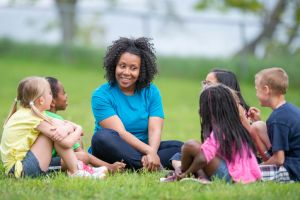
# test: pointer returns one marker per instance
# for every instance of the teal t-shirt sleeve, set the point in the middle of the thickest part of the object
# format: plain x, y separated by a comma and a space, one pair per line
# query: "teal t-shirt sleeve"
102, 106
156, 107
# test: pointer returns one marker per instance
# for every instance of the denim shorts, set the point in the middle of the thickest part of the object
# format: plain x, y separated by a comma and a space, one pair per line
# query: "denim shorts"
31, 166
222, 172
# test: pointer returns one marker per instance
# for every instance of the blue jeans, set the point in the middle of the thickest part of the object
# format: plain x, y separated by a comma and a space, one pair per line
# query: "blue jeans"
107, 145
222, 172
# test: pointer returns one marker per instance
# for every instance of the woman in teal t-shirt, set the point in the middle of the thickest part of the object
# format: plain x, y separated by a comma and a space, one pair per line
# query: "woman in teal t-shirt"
128, 109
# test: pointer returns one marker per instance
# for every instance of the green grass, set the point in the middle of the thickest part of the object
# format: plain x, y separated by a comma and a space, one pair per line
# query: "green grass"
180, 94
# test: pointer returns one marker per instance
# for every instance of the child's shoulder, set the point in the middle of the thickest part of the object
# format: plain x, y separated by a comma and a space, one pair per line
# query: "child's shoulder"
286, 112
287, 108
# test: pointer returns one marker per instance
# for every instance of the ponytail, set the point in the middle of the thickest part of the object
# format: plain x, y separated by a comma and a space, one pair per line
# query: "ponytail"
38, 113
30, 89
13, 109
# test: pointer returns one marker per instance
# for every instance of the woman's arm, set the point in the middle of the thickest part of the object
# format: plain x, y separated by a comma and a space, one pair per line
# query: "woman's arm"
155, 127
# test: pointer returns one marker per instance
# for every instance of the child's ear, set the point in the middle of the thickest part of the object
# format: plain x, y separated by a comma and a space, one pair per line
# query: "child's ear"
41, 101
52, 105
267, 89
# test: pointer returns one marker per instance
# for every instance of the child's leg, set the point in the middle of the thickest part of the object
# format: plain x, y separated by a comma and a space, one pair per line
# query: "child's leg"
177, 166
69, 158
89, 158
261, 139
260, 128
42, 149
189, 151
80, 155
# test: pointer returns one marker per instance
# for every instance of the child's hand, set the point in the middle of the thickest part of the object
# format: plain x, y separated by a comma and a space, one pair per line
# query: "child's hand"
116, 167
177, 171
56, 136
181, 176
253, 113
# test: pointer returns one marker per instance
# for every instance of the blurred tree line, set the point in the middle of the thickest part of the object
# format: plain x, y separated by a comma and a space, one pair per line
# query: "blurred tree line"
272, 14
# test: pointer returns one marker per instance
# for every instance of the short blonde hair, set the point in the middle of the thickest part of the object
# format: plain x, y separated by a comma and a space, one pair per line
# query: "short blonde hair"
276, 78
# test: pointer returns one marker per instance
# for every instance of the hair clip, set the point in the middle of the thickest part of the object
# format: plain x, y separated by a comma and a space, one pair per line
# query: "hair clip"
31, 103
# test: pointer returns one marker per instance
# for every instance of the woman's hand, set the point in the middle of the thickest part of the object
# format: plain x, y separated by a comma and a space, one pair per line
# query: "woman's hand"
151, 161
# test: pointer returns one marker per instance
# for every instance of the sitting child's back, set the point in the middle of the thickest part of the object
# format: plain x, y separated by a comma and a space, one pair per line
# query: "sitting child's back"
284, 132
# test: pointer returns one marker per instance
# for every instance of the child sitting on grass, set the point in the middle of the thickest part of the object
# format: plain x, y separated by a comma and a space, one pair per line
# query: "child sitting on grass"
59, 102
227, 151
254, 126
283, 127
29, 135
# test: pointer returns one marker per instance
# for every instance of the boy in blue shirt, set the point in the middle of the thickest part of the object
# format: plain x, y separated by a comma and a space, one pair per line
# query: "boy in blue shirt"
283, 127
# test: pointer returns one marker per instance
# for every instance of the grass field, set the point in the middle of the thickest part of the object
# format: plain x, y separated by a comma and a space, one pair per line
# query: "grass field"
180, 98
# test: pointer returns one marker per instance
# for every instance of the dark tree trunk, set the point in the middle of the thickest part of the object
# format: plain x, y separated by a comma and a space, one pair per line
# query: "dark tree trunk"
268, 29
67, 16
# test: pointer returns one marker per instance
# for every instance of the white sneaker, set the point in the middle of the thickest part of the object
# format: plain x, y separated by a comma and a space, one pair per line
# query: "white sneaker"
102, 169
100, 172
80, 173
95, 172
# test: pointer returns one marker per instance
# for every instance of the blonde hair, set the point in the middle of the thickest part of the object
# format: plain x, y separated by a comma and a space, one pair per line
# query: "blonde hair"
276, 78
30, 89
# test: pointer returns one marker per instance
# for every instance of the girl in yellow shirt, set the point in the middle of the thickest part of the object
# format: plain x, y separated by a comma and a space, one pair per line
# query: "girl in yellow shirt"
29, 135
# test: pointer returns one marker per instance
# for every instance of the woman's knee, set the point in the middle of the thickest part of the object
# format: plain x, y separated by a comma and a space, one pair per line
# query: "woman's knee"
102, 136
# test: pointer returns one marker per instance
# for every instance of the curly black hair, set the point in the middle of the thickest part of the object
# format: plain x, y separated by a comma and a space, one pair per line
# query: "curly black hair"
141, 47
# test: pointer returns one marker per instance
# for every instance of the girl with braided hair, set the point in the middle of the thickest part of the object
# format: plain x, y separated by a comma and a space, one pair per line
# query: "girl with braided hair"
227, 151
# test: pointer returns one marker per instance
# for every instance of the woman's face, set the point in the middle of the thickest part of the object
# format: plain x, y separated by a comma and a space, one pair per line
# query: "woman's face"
210, 79
127, 72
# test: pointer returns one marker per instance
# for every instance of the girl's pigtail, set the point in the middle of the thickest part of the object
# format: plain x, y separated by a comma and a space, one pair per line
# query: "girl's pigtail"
13, 109
38, 113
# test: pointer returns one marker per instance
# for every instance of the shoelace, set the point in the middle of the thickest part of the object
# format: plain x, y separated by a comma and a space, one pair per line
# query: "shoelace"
86, 168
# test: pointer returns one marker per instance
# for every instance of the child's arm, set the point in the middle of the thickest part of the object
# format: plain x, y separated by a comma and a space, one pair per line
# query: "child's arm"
116, 166
276, 159
72, 138
60, 133
50, 131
